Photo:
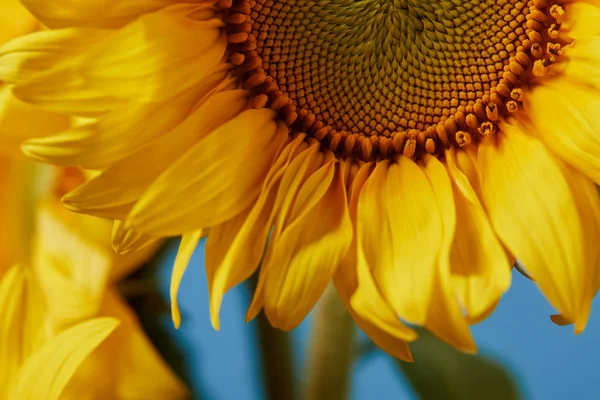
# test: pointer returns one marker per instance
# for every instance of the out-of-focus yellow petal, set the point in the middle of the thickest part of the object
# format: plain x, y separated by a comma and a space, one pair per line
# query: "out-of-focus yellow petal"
14, 217
62, 234
100, 13
480, 270
234, 249
27, 58
309, 249
13, 287
222, 177
189, 242
46, 373
565, 118
382, 326
162, 65
113, 193
15, 21
532, 200
123, 131
71, 269
444, 317
131, 368
20, 121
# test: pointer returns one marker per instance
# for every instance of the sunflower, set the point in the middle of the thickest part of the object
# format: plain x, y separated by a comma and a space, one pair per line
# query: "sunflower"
410, 150
65, 330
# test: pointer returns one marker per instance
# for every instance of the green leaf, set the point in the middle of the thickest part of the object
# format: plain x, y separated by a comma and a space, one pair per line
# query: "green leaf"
442, 372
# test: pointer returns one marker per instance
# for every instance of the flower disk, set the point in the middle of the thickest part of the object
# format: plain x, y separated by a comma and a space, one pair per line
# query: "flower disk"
400, 76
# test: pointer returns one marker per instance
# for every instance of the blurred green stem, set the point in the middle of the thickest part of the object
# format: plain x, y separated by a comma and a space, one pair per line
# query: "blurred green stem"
277, 361
331, 350
276, 356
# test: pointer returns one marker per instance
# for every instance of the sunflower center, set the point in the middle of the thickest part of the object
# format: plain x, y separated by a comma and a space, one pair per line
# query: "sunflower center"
374, 78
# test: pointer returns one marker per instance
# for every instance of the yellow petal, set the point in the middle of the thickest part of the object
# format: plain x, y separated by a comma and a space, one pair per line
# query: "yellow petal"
127, 241
218, 245
354, 280
234, 249
20, 121
532, 200
162, 65
126, 365
444, 317
12, 310
309, 249
414, 225
65, 239
15, 192
15, 21
465, 159
72, 291
113, 193
480, 270
46, 373
377, 319
588, 202
219, 177
583, 20
35, 56
580, 67
369, 304
100, 13
188, 245
565, 116
299, 170
123, 131
383, 325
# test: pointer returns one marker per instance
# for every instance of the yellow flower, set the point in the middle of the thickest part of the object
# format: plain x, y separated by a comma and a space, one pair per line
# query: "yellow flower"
408, 150
65, 330
18, 121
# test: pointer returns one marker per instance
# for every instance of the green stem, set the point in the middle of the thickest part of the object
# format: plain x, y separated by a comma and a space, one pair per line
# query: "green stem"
331, 350
276, 357
277, 361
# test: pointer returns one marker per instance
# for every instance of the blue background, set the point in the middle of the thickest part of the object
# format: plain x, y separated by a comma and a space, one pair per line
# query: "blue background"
550, 362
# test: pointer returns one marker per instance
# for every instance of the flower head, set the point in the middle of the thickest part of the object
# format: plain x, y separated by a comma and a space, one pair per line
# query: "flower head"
409, 150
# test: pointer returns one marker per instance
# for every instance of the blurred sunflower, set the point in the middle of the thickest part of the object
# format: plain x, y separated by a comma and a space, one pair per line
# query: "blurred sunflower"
409, 150
65, 332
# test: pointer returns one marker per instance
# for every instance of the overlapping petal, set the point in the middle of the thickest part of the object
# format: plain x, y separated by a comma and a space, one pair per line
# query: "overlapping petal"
480, 269
222, 177
525, 186
113, 193
103, 13
87, 71
234, 249
304, 257
362, 297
